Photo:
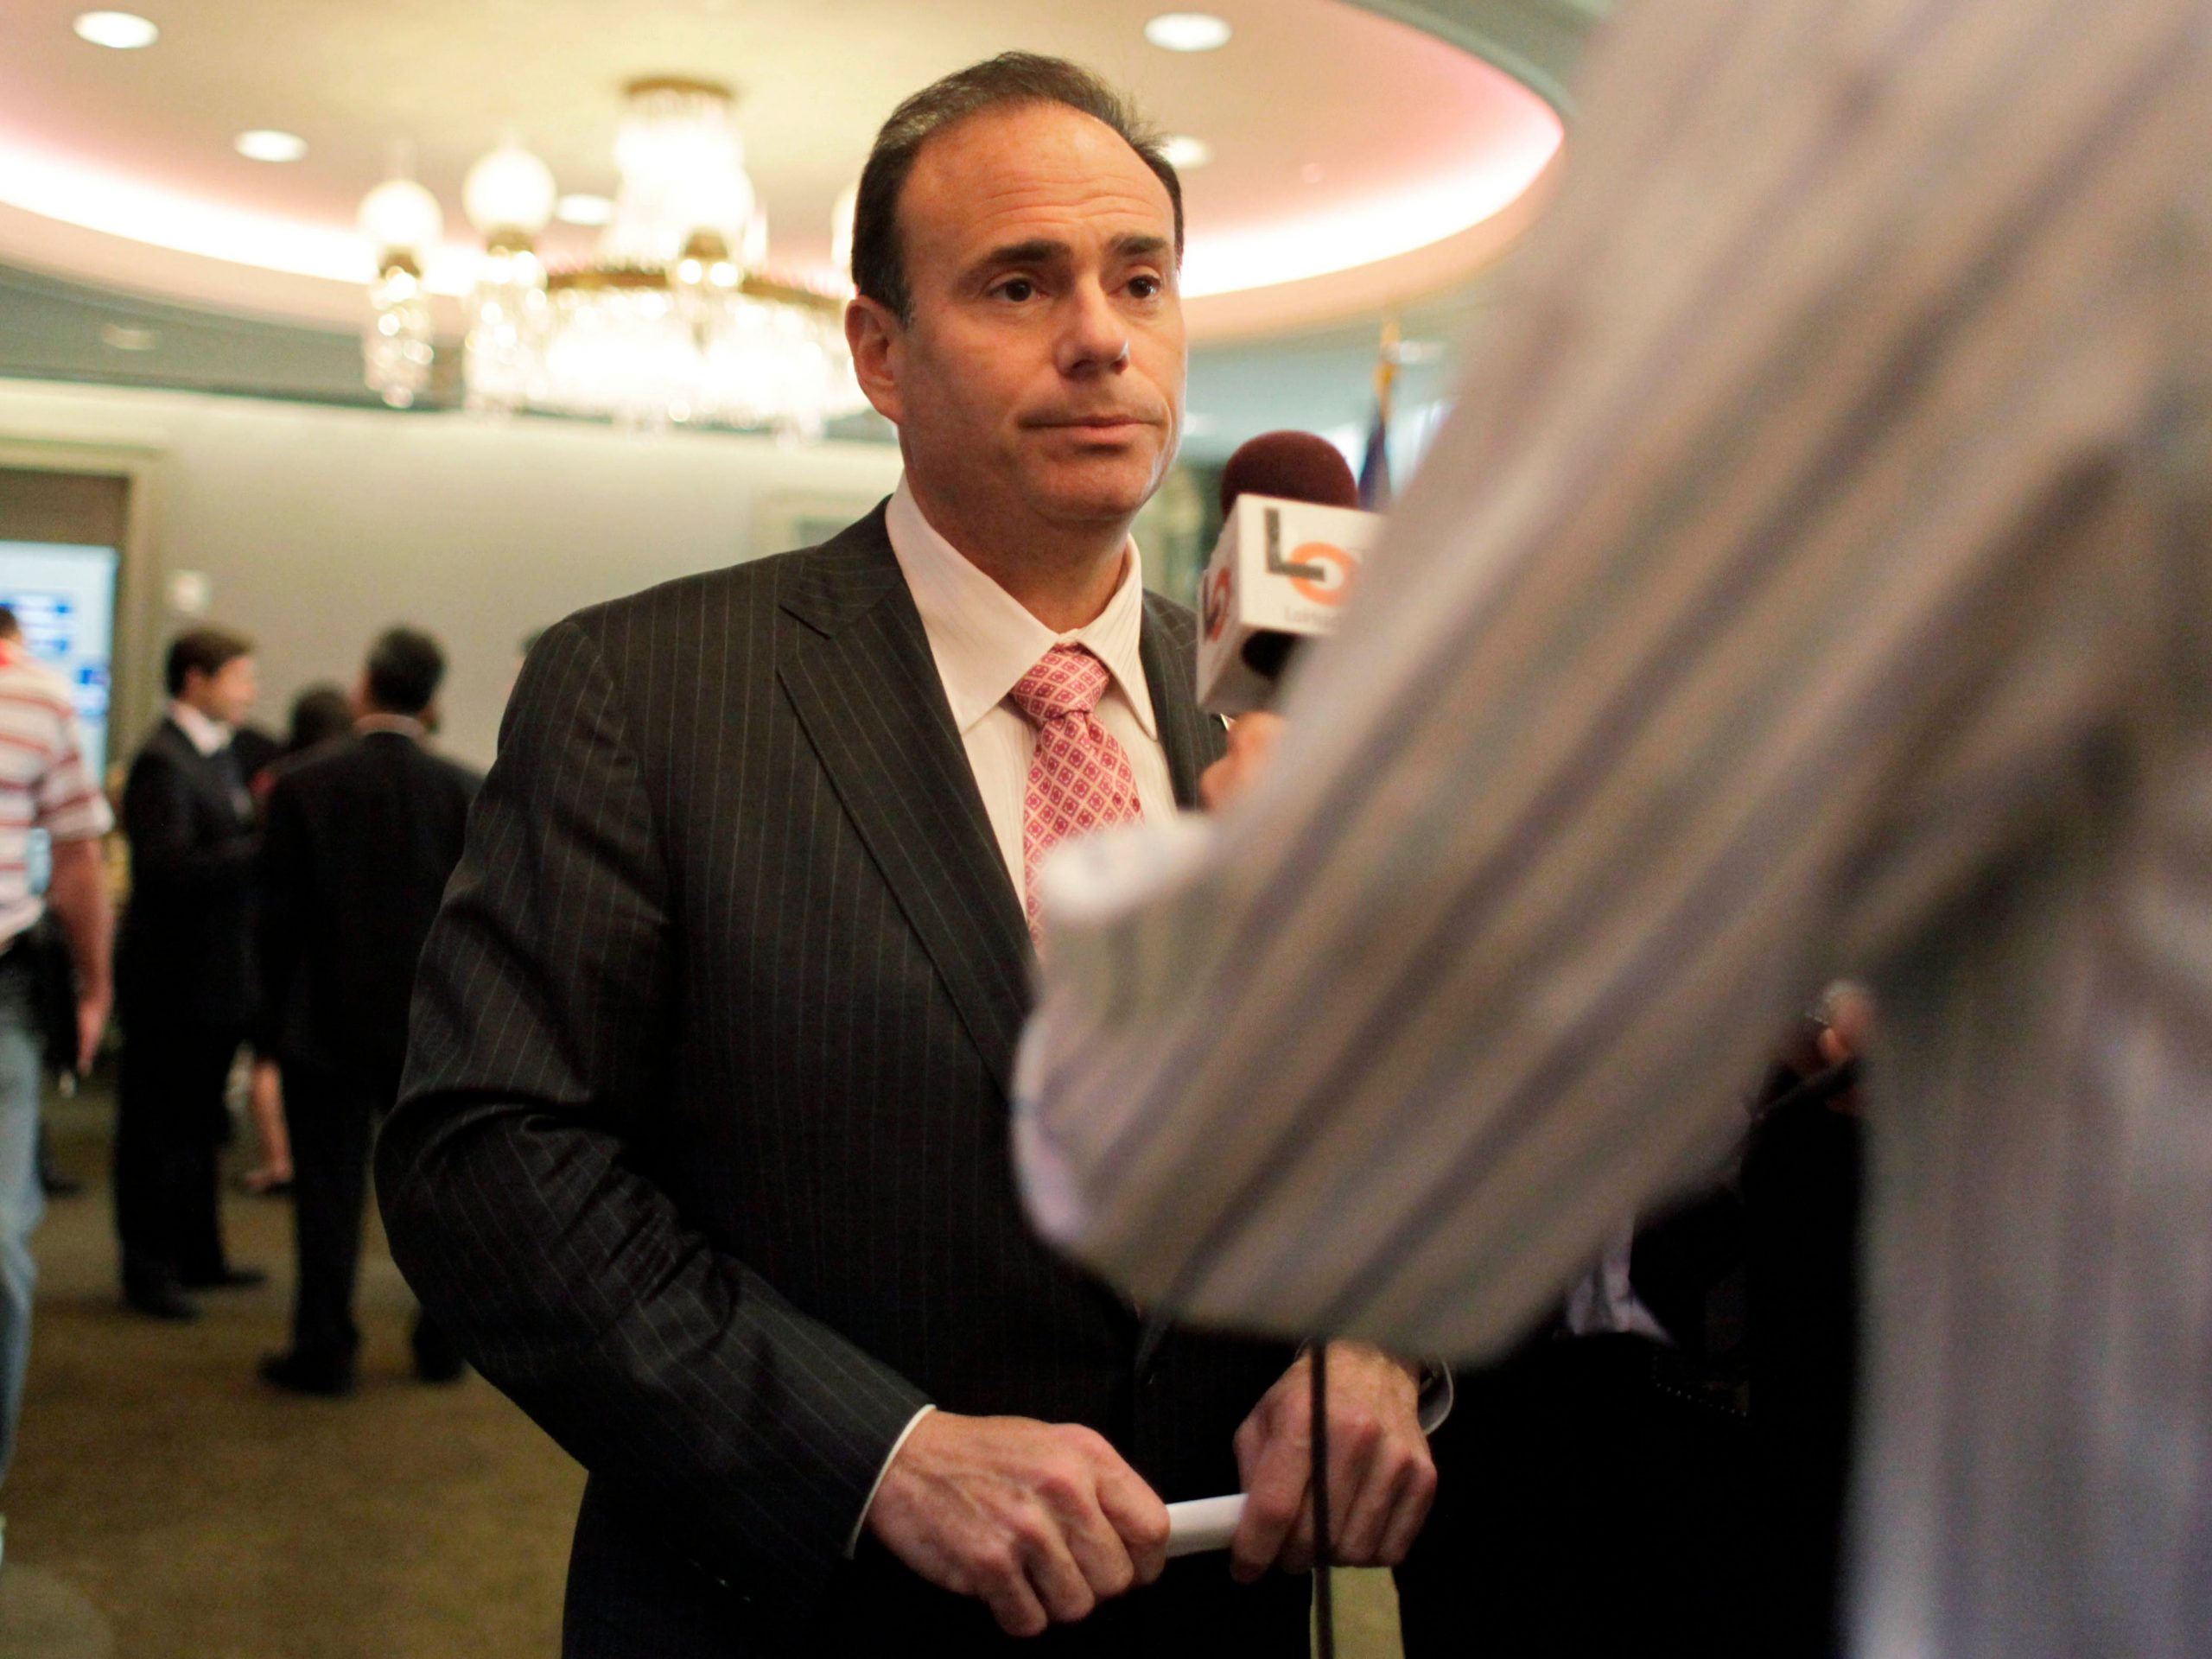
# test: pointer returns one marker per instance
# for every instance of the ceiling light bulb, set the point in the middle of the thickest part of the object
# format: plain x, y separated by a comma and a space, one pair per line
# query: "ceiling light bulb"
584, 210
509, 189
1187, 31
401, 217
124, 31
265, 144
1184, 152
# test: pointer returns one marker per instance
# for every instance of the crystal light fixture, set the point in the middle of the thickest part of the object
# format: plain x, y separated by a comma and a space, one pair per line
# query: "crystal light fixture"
403, 221
676, 318
509, 196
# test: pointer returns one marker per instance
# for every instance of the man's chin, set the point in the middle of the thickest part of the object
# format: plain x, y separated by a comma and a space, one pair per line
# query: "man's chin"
1094, 509
1100, 493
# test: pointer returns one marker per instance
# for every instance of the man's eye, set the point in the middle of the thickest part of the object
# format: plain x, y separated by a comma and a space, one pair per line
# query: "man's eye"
1146, 288
1017, 288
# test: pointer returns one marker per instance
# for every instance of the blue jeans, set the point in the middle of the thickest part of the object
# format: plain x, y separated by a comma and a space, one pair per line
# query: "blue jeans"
22, 1200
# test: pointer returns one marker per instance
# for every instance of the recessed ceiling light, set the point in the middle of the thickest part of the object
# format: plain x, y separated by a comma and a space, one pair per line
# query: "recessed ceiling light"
584, 210
118, 338
1187, 31
124, 31
1184, 152
265, 145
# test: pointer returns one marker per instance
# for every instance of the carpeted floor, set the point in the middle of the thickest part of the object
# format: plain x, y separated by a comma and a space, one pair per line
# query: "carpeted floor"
164, 1504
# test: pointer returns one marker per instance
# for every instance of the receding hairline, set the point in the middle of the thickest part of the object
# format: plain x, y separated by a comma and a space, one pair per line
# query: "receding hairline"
1171, 240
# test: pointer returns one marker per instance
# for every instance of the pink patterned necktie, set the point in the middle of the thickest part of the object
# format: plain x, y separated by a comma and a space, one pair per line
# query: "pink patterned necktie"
1079, 779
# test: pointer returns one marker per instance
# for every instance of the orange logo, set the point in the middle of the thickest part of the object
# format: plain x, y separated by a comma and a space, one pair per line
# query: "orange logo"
1214, 606
1314, 555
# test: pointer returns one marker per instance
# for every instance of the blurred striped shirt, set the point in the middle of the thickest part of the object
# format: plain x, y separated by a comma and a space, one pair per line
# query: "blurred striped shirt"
43, 782
1814, 579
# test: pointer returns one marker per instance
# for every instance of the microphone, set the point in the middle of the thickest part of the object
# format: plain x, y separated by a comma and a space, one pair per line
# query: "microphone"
1290, 467
1292, 539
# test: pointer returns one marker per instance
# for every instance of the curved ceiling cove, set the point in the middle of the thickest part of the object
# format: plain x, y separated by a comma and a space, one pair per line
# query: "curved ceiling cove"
1353, 158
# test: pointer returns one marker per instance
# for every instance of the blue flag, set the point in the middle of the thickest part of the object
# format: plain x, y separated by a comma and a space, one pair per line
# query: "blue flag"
1375, 465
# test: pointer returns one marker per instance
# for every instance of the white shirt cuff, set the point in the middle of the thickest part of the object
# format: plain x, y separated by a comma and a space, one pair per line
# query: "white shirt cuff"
853, 1543
1438, 1393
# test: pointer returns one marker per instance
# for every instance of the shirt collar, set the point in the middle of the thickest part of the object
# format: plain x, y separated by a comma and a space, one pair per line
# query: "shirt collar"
404, 725
983, 639
208, 736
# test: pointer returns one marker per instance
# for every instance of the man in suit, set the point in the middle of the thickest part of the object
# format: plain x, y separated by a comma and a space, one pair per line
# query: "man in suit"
361, 835
184, 975
703, 1150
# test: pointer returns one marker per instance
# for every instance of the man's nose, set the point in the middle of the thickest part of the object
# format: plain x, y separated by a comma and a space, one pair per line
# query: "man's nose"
1097, 337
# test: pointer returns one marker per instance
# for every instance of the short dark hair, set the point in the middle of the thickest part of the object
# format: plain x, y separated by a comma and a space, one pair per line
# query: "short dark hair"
318, 714
209, 650
1010, 80
404, 668
11, 629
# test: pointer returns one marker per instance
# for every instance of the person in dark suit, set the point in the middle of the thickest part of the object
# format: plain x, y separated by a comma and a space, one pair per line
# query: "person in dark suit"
320, 714
256, 750
362, 833
184, 975
702, 1152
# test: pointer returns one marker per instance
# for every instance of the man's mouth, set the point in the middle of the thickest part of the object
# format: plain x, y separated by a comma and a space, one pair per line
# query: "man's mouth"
1107, 424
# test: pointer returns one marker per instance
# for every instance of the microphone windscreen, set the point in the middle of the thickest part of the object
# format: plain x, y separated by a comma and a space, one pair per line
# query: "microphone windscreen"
1291, 467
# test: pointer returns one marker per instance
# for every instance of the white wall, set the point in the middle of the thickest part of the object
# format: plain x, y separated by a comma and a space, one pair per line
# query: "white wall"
318, 527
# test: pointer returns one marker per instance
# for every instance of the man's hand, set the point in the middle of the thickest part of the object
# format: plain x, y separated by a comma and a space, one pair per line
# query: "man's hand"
267, 1096
93, 1007
1251, 744
1040, 1521
1846, 1022
76, 892
1381, 1479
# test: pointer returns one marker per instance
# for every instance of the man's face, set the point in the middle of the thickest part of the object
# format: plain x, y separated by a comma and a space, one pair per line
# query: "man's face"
227, 694
1039, 379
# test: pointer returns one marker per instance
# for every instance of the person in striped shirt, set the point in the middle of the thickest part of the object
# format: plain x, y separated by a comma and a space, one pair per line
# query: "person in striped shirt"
44, 789
1814, 580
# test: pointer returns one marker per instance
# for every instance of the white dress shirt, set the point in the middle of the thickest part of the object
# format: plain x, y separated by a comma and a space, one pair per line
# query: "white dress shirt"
204, 732
983, 641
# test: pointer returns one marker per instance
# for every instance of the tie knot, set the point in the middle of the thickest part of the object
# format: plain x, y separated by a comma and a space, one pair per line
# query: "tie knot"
1067, 680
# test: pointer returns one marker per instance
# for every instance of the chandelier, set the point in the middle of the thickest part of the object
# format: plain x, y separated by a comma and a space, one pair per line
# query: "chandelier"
675, 320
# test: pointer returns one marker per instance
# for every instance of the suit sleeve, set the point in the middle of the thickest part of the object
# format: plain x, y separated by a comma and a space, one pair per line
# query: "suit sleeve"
541, 1030
165, 860
282, 889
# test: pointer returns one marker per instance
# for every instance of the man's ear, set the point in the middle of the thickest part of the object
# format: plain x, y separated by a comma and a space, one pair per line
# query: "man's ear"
877, 340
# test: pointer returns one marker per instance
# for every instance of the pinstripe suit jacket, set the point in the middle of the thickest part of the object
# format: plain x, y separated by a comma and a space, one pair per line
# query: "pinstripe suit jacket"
703, 1150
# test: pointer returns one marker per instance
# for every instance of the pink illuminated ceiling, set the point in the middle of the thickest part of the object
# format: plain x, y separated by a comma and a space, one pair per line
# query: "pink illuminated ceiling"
1356, 161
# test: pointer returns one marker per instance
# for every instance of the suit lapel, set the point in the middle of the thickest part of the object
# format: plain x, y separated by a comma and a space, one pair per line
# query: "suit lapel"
866, 688
1191, 738
201, 772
